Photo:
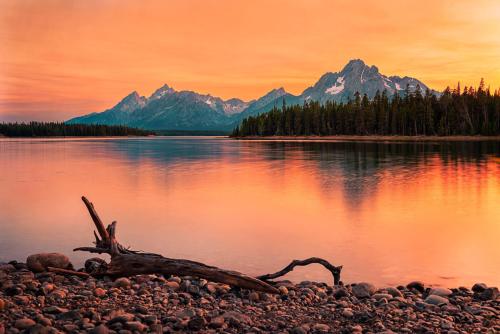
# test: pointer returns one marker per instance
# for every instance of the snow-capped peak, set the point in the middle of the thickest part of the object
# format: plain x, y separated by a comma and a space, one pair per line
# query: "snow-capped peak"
162, 91
337, 88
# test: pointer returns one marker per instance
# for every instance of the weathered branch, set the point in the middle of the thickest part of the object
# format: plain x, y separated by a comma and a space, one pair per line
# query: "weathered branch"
134, 264
96, 250
333, 269
125, 262
97, 222
68, 272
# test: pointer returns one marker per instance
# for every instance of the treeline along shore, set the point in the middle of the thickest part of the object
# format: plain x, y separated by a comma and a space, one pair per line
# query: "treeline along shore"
471, 112
55, 129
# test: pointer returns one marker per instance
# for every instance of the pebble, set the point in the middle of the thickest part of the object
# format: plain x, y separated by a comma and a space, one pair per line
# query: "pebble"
24, 323
196, 323
394, 292
489, 294
347, 312
340, 293
283, 290
173, 285
54, 310
254, 296
356, 329
53, 303
479, 287
122, 282
363, 290
298, 330
40, 262
216, 322
321, 328
135, 326
99, 292
436, 300
417, 285
379, 296
101, 329
443, 292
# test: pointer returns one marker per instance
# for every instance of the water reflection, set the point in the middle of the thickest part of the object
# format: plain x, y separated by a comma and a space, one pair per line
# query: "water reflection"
388, 212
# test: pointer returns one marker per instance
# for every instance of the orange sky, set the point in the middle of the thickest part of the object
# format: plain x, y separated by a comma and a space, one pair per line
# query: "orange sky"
62, 58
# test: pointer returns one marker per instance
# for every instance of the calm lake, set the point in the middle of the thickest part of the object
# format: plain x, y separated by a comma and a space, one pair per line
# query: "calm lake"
389, 212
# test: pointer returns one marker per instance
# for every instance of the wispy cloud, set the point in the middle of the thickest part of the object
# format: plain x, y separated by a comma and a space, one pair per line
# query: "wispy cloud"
62, 58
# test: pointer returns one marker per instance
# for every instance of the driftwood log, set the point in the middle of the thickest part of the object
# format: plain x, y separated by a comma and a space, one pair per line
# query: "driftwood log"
126, 262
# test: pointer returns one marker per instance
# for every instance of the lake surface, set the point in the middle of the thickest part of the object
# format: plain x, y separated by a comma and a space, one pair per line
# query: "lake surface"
389, 212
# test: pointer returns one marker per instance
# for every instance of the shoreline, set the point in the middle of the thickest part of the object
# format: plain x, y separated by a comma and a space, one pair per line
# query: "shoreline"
374, 138
46, 302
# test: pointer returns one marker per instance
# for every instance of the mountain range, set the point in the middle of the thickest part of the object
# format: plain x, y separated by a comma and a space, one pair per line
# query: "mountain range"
168, 109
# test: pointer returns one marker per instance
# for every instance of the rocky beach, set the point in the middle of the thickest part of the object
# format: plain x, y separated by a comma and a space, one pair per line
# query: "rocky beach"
36, 301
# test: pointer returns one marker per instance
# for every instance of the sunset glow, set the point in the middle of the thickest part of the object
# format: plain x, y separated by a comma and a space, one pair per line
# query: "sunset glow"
60, 59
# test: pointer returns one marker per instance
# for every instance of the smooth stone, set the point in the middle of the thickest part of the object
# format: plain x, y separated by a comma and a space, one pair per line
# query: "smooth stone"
216, 322
101, 329
283, 290
211, 287
58, 294
193, 289
70, 315
94, 265
48, 288
235, 319
417, 285
436, 300
13, 291
321, 328
135, 326
99, 292
122, 282
298, 330
24, 323
356, 329
40, 262
38, 329
363, 290
347, 312
7, 267
489, 294
2, 304
44, 321
340, 292
379, 296
394, 292
22, 300
68, 328
185, 284
175, 279
479, 287
173, 285
185, 313
122, 318
254, 297
196, 323
54, 310
443, 292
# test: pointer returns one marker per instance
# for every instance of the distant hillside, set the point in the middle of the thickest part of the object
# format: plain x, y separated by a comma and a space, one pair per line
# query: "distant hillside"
39, 129
169, 109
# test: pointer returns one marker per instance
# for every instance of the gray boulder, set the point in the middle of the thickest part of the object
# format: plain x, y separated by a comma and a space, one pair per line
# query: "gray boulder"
436, 300
443, 292
40, 262
363, 290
